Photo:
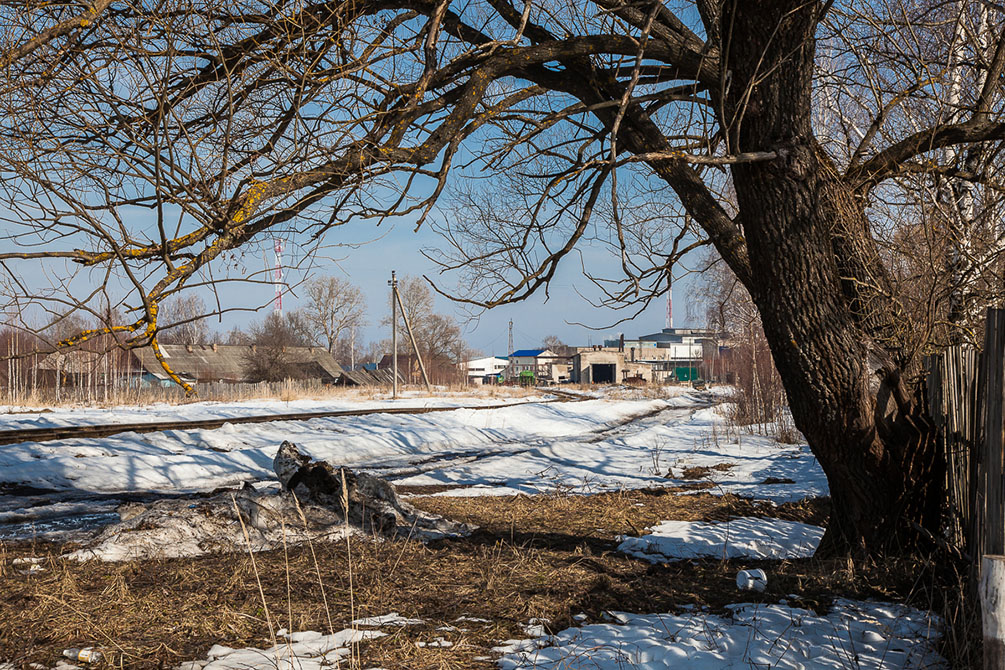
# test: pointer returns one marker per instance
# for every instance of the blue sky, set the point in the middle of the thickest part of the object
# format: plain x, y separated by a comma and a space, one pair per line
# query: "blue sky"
369, 267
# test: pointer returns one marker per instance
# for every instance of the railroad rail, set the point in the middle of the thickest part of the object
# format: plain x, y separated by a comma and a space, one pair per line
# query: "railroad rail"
106, 430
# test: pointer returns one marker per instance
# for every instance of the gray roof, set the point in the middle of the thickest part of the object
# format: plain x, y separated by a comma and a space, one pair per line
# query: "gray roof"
363, 377
71, 361
228, 362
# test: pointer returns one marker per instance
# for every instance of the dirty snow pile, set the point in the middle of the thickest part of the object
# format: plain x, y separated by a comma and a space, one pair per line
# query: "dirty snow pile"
336, 503
861, 635
184, 527
744, 537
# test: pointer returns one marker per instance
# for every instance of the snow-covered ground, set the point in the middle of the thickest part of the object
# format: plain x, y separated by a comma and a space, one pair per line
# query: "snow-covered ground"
615, 440
24, 418
851, 635
579, 447
859, 635
736, 538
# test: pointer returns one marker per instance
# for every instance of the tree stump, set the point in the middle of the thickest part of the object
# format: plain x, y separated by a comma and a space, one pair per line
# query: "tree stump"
366, 501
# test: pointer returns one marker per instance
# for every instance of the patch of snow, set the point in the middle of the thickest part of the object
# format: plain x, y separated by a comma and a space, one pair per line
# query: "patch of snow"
206, 459
21, 418
583, 447
298, 651
438, 642
390, 619
745, 537
535, 627
861, 635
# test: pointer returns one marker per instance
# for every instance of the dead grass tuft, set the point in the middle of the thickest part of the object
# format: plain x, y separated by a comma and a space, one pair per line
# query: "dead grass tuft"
705, 471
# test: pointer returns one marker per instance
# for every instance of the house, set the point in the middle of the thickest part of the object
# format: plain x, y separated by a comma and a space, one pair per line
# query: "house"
606, 365
485, 370
71, 367
365, 376
441, 370
598, 366
230, 363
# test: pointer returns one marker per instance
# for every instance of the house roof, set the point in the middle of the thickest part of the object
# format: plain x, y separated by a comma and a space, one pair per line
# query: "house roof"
527, 353
229, 362
74, 361
486, 359
364, 377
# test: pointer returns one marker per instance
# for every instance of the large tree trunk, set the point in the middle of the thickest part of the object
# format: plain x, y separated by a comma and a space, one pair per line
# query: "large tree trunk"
807, 236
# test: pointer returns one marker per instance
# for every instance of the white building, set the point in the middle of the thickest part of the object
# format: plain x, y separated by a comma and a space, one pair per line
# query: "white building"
481, 368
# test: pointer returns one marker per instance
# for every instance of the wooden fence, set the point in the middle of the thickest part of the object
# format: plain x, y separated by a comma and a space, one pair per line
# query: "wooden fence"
965, 393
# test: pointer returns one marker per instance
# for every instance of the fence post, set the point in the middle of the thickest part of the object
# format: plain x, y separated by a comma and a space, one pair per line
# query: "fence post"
993, 610
990, 474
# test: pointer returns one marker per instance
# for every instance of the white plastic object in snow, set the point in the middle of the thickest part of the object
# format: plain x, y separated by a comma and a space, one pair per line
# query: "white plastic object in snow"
751, 580
85, 655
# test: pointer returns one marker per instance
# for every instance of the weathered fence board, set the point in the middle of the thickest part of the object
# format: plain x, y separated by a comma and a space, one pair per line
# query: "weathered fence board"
966, 395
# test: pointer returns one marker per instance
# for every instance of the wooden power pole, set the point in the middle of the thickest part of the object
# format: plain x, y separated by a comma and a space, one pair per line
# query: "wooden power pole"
394, 333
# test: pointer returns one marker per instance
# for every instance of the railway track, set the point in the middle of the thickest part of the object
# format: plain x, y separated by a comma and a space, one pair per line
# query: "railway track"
106, 430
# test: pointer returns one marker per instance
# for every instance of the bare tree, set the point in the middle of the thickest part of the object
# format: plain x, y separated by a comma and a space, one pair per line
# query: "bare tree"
556, 345
270, 358
730, 312
438, 336
334, 308
183, 320
648, 127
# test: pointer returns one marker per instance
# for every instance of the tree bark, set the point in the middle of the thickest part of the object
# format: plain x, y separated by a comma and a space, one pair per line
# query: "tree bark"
807, 231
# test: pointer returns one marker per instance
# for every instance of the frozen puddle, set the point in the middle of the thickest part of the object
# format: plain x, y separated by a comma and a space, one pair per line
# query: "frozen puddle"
745, 537
865, 636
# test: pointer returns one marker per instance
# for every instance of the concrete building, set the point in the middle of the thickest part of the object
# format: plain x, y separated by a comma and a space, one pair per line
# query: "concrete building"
673, 354
483, 370
598, 366
603, 365
546, 366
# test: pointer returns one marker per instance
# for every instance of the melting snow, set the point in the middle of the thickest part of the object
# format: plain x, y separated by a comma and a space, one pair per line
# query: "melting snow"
738, 538
299, 651
865, 636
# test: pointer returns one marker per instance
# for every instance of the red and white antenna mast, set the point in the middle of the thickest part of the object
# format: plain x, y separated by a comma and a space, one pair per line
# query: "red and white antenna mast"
277, 275
669, 308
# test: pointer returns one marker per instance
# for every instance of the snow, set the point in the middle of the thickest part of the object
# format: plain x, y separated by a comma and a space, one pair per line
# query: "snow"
640, 455
298, 651
176, 528
22, 418
576, 447
861, 635
616, 439
744, 537
389, 619
205, 459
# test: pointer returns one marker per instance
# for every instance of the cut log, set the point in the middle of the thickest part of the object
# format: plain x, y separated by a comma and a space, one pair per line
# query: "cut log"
368, 501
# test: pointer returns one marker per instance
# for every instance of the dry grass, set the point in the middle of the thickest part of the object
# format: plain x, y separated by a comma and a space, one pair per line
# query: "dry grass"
287, 391
543, 556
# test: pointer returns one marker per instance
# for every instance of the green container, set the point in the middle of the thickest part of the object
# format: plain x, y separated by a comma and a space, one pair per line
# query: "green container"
687, 374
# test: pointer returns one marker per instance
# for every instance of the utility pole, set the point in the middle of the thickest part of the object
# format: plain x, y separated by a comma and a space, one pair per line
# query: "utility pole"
352, 348
394, 332
510, 337
411, 337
